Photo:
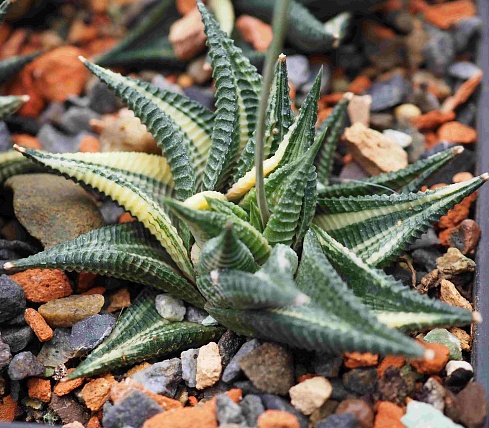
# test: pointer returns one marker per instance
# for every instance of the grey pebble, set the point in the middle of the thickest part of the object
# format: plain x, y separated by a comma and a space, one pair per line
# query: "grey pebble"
5, 355
465, 31
132, 410
196, 315
77, 119
189, 366
23, 365
326, 365
5, 137
161, 378
298, 70
233, 371
252, 407
12, 298
345, 420
361, 381
17, 337
274, 402
439, 51
463, 70
88, 333
101, 99
227, 411
388, 93
58, 350
56, 141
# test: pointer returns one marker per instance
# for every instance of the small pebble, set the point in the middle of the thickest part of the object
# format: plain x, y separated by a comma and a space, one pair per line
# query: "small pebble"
388, 415
388, 93
196, 315
161, 378
439, 51
449, 294
465, 30
311, 394
67, 311
23, 365
209, 366
169, 307
233, 370
5, 355
69, 410
88, 333
463, 70
437, 364
361, 381
119, 300
132, 410
463, 336
444, 337
252, 408
189, 366
227, 411
345, 420
454, 383
472, 405
454, 263
465, 236
277, 419
270, 368
43, 285
40, 389
422, 415
433, 393
77, 119
38, 324
12, 298
360, 409
96, 392
17, 337
58, 350
404, 140
274, 402
406, 112
455, 365
326, 364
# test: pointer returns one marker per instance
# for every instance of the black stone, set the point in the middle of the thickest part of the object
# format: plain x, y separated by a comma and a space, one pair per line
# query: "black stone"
458, 379
228, 344
361, 381
87, 334
12, 298
327, 365
5, 355
392, 386
426, 257
101, 99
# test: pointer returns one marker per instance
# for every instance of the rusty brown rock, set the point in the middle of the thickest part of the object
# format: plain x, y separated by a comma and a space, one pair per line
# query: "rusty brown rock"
43, 285
96, 392
53, 209
449, 294
187, 35
465, 236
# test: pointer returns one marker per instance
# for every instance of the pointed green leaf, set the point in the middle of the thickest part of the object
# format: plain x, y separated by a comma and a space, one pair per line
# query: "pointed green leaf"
255, 218
285, 218
406, 180
125, 251
132, 196
296, 141
140, 334
10, 104
305, 32
225, 207
13, 64
330, 132
237, 90
205, 225
393, 303
226, 251
377, 228
13, 163
147, 42
173, 120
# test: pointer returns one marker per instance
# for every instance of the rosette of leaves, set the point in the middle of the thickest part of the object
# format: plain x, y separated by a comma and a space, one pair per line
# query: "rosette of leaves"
308, 277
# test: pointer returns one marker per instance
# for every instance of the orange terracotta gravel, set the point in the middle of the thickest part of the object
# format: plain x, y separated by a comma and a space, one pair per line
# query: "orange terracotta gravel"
444, 15
353, 360
277, 419
26, 140
43, 285
388, 415
255, 31
390, 361
437, 364
96, 392
432, 120
65, 387
119, 300
38, 324
7, 409
457, 133
40, 389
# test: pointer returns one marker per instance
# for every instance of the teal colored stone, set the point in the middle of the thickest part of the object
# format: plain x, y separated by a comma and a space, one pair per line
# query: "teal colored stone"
444, 337
422, 415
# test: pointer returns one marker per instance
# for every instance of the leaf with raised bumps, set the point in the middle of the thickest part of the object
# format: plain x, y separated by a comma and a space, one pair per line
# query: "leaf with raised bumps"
13, 163
393, 303
378, 228
141, 334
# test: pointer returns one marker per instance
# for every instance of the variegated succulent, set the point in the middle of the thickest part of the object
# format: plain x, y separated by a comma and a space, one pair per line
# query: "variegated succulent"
308, 277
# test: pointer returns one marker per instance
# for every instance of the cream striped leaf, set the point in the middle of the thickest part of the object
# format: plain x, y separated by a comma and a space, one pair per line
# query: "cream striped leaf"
141, 334
378, 228
118, 185
13, 163
393, 303
181, 127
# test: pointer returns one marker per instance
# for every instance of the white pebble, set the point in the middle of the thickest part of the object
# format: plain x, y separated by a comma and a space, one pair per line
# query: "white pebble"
169, 307
404, 140
454, 365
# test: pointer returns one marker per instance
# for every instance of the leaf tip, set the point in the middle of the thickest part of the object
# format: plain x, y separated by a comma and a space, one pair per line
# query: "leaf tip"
19, 148
485, 176
429, 354
25, 98
82, 59
476, 317
282, 57
302, 299
457, 150
8, 265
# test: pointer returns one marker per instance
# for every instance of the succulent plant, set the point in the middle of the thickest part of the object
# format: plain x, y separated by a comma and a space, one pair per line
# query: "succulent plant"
307, 276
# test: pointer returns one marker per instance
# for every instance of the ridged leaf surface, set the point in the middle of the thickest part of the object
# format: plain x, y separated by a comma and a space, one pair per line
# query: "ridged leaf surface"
126, 251
10, 104
393, 303
13, 163
140, 334
237, 90
377, 228
115, 184
405, 180
173, 120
